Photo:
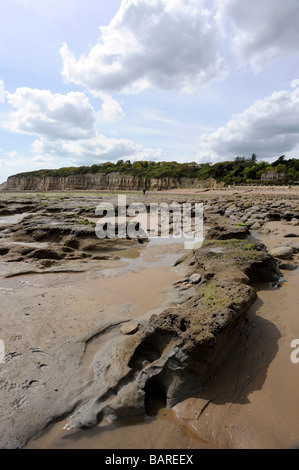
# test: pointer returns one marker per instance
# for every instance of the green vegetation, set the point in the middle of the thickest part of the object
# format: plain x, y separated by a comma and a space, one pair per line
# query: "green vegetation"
210, 292
240, 171
80, 222
232, 242
249, 246
232, 247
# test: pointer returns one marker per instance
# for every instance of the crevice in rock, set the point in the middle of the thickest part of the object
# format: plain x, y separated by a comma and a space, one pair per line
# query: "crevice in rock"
150, 350
146, 353
155, 396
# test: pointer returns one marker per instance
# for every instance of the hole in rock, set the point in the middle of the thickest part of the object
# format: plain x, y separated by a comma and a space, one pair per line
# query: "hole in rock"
144, 354
152, 348
155, 396
184, 325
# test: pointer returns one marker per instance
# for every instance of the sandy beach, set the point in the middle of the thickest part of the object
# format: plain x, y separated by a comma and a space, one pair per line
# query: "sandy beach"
57, 321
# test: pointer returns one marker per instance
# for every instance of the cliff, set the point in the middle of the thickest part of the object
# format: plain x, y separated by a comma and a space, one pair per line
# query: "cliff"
100, 181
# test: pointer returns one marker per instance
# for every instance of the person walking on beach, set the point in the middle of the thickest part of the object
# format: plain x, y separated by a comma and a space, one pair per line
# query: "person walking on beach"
144, 191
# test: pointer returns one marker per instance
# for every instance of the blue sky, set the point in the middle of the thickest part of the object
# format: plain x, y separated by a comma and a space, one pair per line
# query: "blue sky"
83, 82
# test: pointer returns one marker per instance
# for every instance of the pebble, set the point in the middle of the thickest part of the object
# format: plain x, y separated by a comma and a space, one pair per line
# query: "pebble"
129, 328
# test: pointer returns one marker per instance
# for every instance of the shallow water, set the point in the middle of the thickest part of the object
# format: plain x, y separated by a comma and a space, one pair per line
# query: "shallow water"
122, 254
161, 432
12, 219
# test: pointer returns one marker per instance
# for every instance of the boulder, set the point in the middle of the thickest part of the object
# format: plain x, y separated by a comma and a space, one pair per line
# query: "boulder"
282, 252
287, 266
294, 246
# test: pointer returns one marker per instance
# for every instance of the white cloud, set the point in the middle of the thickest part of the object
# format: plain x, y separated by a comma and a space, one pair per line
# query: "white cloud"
66, 126
18, 163
111, 110
269, 127
13, 154
99, 148
41, 112
165, 44
182, 45
259, 31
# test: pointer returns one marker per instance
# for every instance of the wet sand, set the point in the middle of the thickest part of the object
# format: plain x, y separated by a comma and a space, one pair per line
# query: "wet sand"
76, 304
252, 190
251, 403
159, 432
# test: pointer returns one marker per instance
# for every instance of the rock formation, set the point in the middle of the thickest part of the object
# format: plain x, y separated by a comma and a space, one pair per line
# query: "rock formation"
174, 355
111, 181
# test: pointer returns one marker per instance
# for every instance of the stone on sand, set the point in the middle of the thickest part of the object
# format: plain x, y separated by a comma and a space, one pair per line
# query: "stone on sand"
129, 328
282, 252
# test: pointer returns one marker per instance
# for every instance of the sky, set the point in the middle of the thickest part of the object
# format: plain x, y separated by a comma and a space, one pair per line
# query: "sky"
84, 82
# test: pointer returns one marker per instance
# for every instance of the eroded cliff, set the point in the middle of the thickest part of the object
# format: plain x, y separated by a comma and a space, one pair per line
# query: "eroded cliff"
100, 181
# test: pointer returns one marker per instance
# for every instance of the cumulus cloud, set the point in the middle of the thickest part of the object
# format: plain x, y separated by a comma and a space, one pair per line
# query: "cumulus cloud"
16, 163
183, 44
41, 112
111, 110
259, 31
66, 125
268, 128
97, 149
167, 44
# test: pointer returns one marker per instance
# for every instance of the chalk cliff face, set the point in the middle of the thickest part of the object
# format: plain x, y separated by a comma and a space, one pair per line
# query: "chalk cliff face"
111, 181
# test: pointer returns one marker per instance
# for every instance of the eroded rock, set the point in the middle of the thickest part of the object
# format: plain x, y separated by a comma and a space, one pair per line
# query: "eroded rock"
175, 354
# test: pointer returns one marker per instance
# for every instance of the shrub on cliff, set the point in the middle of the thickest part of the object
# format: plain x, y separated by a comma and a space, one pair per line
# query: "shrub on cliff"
239, 171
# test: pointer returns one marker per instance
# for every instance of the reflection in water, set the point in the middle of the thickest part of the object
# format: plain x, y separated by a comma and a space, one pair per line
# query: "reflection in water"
12, 219
122, 254
147, 432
